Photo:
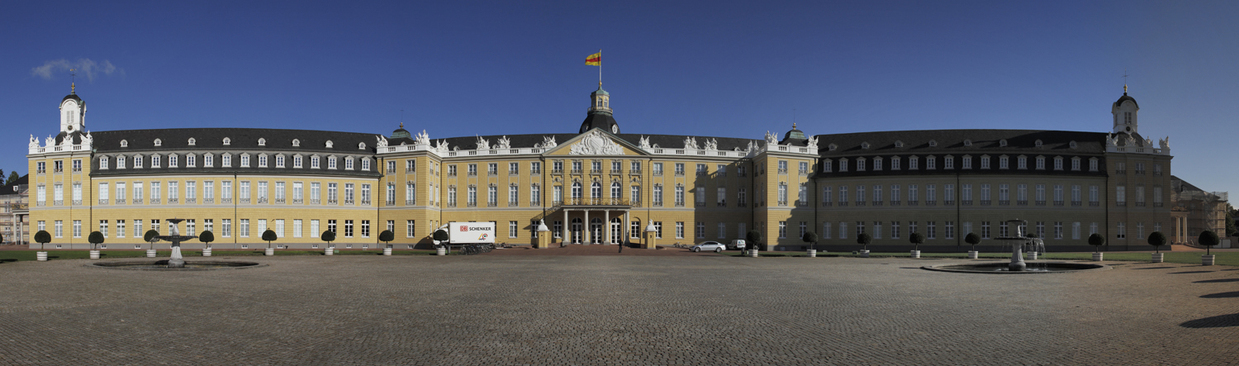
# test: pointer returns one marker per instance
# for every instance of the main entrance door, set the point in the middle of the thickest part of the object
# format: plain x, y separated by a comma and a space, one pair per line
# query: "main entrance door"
595, 230
616, 230
577, 230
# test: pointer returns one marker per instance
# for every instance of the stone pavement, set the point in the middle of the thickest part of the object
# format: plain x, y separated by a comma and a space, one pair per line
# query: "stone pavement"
471, 310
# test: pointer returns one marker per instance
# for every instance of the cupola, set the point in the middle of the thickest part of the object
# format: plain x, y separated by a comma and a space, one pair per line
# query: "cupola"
600, 114
1125, 114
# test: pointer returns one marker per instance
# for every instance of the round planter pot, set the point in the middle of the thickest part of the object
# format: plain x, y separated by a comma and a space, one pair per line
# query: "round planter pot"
1099, 257
41, 256
441, 250
972, 254
386, 251
1158, 257
1032, 256
916, 254
812, 253
94, 254
150, 253
328, 251
864, 253
753, 253
206, 252
270, 251
1206, 260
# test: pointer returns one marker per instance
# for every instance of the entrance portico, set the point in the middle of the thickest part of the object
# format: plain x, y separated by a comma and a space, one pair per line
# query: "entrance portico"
595, 221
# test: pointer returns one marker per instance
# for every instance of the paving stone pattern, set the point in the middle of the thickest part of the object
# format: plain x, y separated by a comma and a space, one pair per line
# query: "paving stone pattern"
603, 310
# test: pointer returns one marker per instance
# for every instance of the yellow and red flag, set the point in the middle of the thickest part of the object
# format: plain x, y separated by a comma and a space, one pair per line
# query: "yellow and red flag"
594, 59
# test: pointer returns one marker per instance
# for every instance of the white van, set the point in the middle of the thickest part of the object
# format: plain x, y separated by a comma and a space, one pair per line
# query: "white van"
737, 244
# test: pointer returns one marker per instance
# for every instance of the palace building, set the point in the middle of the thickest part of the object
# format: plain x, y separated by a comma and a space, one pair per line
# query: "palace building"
599, 185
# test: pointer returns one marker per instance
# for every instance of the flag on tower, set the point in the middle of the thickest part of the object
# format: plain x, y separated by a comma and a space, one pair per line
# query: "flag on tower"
594, 59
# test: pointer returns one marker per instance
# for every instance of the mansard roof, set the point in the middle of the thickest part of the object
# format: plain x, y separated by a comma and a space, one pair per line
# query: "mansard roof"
240, 139
952, 141
529, 140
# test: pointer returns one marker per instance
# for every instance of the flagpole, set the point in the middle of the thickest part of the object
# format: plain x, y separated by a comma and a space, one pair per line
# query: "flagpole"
599, 68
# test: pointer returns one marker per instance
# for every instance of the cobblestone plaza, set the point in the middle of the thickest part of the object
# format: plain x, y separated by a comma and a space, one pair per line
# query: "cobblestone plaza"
700, 309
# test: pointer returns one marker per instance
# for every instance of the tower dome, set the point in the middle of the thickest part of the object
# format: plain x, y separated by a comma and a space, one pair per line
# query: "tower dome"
600, 114
401, 132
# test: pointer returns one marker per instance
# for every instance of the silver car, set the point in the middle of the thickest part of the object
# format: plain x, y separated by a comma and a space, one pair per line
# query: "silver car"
708, 246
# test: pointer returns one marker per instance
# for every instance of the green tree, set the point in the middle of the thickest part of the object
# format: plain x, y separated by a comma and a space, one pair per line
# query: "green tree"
1208, 239
864, 239
1231, 215
441, 235
1157, 239
386, 237
972, 239
42, 237
269, 236
754, 238
810, 237
1097, 240
95, 238
151, 236
916, 239
206, 237
328, 236
13, 178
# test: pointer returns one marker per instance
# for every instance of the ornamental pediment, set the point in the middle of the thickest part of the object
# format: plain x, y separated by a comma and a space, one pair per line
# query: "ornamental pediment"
595, 142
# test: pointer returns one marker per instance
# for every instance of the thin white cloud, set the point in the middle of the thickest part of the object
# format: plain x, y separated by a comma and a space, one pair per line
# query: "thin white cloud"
83, 66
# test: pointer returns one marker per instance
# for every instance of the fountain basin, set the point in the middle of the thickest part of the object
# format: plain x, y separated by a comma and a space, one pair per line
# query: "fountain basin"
1002, 267
162, 265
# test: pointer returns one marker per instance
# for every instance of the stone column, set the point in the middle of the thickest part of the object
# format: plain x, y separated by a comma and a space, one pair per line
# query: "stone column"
567, 228
606, 226
585, 228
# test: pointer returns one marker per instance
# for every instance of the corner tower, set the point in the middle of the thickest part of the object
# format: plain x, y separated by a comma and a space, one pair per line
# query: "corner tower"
600, 115
1125, 114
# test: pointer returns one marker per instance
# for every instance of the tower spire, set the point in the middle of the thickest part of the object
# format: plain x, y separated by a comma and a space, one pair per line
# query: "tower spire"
73, 85
1124, 81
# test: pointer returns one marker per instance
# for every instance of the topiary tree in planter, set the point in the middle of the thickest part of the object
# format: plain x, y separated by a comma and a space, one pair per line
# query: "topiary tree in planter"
151, 236
441, 236
1157, 239
95, 238
1208, 239
206, 237
328, 236
42, 237
269, 236
972, 239
864, 239
917, 239
1097, 240
810, 237
386, 237
754, 238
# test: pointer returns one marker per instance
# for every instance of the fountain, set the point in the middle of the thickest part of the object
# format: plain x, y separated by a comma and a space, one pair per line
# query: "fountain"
1019, 243
177, 261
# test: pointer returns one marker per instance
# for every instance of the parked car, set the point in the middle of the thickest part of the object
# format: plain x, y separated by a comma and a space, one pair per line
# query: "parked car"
708, 246
737, 244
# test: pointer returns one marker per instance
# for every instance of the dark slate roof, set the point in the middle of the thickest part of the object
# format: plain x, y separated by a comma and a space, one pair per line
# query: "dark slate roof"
8, 188
662, 141
1181, 185
243, 139
73, 96
1125, 97
952, 141
598, 120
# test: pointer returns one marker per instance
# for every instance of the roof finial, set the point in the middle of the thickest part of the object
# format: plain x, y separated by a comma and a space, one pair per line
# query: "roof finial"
793, 125
1124, 81
73, 85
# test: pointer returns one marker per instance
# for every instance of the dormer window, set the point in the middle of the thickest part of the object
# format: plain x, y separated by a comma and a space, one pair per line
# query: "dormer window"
864, 145
279, 161
1002, 143
330, 144
898, 143
860, 164
913, 162
120, 162
158, 142
1040, 163
1021, 162
1072, 144
984, 161
948, 162
832, 147
314, 162
967, 142
877, 163
225, 160
227, 141
208, 160
1004, 162
967, 162
296, 143
103, 163
262, 142
297, 161
172, 160
193, 142
124, 143
365, 164
931, 162
154, 161
348, 163
331, 162
245, 160
262, 160
1037, 143
361, 146
843, 164
933, 143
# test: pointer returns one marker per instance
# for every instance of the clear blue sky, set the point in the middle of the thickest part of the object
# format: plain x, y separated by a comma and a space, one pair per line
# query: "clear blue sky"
715, 68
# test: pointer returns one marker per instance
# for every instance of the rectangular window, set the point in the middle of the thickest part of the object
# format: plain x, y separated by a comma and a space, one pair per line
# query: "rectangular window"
843, 230
931, 230
1120, 195
296, 228
782, 229
894, 229
701, 230
348, 228
410, 228
985, 230
191, 191
512, 229
243, 228
679, 230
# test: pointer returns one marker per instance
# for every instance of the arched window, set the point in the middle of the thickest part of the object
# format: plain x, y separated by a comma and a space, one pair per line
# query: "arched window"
361, 146
227, 141
192, 141
595, 190
158, 142
576, 190
124, 143
330, 144
296, 143
262, 142
615, 190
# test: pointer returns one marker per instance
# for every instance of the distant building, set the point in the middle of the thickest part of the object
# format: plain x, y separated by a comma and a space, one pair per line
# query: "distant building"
15, 217
599, 185
1197, 210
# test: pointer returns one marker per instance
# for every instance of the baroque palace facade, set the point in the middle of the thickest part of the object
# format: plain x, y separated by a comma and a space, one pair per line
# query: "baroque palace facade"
598, 185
